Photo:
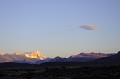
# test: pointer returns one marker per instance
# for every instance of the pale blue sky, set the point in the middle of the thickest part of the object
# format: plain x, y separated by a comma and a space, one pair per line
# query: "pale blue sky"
53, 26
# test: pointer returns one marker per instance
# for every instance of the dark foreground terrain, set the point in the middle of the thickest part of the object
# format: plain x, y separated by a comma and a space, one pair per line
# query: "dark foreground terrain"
62, 72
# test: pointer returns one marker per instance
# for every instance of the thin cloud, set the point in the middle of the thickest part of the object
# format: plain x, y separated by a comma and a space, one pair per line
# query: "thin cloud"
89, 27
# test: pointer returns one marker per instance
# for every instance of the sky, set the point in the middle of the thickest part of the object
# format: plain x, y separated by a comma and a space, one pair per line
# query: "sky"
60, 27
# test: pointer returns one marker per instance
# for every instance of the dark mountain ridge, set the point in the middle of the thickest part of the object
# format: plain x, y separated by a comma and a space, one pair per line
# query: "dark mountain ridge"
82, 57
113, 59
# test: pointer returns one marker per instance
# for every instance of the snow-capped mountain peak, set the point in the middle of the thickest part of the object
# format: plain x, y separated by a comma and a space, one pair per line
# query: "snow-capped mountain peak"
36, 54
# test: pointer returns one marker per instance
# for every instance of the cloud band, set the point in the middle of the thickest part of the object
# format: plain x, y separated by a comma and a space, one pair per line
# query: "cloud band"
89, 27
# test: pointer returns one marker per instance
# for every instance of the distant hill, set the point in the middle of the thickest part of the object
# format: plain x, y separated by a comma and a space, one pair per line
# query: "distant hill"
90, 55
82, 57
114, 59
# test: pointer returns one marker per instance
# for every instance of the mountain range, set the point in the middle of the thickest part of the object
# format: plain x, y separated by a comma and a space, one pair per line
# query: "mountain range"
82, 57
22, 57
38, 58
112, 60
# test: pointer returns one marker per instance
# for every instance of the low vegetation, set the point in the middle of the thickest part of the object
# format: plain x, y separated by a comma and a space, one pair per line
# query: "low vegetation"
63, 72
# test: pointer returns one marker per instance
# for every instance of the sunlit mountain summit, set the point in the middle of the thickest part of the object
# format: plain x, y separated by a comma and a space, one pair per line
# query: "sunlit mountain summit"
36, 55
